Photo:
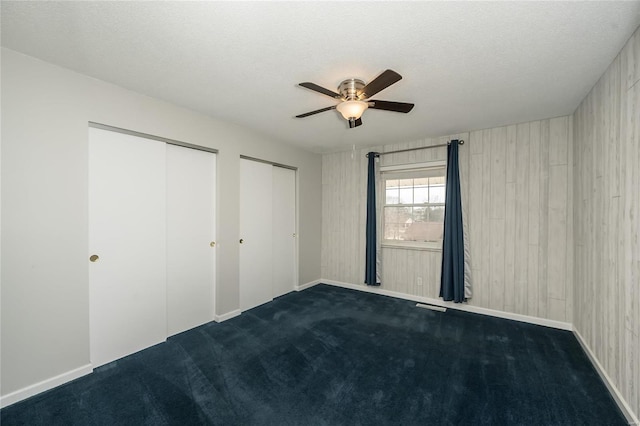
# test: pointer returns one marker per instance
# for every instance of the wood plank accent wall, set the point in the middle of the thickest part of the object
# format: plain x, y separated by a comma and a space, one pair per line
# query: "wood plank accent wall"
517, 189
607, 221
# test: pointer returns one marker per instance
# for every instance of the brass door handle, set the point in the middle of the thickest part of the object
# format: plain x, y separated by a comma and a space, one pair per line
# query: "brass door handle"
94, 258
212, 244
241, 241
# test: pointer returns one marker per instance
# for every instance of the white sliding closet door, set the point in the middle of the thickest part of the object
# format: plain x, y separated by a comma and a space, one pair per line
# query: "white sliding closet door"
191, 183
127, 230
256, 212
284, 229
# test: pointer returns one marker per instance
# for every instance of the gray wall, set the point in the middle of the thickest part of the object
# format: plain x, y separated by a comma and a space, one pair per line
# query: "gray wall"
607, 221
516, 183
45, 294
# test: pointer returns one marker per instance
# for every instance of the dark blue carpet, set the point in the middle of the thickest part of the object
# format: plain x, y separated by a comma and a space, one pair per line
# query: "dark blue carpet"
331, 356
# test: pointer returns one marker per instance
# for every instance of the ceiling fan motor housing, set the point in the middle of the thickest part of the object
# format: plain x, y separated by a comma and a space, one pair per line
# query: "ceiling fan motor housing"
351, 88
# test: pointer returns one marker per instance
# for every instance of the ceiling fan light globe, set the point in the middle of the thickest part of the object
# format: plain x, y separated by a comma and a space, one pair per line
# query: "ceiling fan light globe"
352, 109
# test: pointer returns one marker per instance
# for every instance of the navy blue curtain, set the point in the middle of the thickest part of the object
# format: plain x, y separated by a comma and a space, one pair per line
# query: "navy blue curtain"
370, 274
452, 280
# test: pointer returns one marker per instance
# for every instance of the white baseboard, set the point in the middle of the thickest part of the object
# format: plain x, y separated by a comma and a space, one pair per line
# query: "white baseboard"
228, 315
459, 306
307, 285
36, 388
631, 417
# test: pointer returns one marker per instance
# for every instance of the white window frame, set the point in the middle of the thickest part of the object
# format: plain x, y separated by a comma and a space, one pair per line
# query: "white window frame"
407, 168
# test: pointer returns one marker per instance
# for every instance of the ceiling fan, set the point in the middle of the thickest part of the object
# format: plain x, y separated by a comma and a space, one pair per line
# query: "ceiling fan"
354, 95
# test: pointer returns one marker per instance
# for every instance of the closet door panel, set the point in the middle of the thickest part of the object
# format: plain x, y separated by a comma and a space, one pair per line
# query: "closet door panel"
191, 188
284, 229
127, 223
256, 257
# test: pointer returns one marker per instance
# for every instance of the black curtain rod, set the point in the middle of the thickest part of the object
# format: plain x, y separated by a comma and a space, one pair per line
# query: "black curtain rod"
460, 142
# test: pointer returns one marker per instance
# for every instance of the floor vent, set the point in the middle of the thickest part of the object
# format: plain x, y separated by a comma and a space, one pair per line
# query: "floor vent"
432, 307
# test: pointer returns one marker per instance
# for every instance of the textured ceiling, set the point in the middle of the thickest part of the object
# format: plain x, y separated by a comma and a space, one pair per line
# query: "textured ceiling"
466, 65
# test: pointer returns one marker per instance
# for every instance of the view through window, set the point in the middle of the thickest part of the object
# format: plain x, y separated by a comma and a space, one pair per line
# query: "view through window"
414, 204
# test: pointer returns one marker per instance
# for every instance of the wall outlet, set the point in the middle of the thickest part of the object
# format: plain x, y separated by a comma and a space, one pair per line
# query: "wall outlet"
419, 281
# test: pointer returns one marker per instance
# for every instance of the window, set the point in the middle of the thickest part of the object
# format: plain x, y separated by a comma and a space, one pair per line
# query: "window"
413, 212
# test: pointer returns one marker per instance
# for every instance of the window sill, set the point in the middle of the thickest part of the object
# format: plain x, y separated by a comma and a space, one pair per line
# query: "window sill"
413, 245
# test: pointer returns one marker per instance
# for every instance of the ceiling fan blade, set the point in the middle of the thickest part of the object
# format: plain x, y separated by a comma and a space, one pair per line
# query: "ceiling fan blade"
391, 106
355, 123
320, 89
306, 114
384, 80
